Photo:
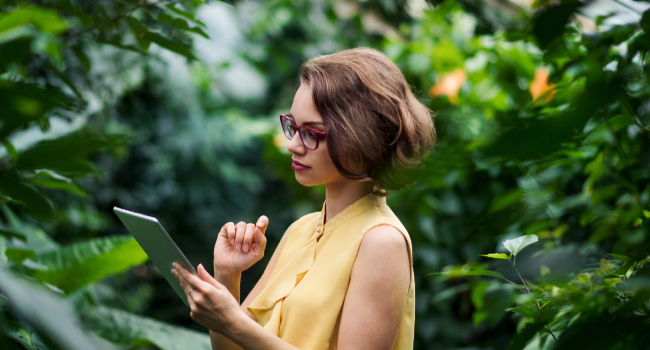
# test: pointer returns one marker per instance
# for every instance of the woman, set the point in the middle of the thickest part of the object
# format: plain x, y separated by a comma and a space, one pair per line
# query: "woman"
343, 277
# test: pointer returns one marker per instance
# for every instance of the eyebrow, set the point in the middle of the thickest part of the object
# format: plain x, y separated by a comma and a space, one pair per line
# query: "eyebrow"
306, 123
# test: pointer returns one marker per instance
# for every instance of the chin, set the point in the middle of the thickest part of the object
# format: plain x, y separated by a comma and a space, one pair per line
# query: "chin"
306, 181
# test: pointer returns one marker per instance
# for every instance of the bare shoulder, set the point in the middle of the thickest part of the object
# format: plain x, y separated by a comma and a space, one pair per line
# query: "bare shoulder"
383, 248
382, 240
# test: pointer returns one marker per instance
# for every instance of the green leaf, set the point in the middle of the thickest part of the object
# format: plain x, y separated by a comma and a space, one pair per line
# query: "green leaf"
82, 57
47, 20
23, 104
36, 204
50, 179
179, 12
529, 311
19, 255
68, 155
601, 132
11, 150
550, 22
122, 327
15, 50
520, 340
76, 265
625, 267
140, 31
22, 333
181, 24
496, 256
516, 245
620, 257
63, 77
646, 213
50, 315
177, 47
11, 234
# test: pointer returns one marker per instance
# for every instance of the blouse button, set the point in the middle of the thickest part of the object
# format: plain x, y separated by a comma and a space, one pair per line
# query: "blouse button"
317, 230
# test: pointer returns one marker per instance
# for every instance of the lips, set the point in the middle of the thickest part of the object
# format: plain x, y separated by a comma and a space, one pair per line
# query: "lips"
297, 166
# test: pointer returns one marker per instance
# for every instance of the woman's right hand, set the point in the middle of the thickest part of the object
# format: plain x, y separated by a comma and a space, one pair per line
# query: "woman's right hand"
240, 246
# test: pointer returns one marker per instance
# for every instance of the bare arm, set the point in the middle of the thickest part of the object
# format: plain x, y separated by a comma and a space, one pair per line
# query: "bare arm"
376, 297
233, 282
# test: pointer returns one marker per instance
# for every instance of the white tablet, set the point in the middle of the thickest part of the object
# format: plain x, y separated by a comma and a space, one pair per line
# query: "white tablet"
155, 241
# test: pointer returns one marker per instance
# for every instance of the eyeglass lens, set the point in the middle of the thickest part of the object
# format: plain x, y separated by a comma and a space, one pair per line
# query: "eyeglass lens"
307, 136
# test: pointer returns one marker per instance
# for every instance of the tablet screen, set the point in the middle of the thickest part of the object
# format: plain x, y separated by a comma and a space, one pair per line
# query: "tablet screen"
155, 241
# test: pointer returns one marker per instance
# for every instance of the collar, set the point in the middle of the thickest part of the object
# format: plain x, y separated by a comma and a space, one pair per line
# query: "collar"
361, 205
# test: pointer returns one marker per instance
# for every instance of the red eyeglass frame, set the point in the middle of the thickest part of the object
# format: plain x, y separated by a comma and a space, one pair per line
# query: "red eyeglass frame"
319, 134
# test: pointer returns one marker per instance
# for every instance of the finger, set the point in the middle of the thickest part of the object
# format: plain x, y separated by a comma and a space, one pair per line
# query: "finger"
248, 237
206, 277
259, 240
262, 223
192, 280
224, 229
231, 231
239, 238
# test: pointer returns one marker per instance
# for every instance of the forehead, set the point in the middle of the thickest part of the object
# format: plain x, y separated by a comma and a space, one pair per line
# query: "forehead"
303, 109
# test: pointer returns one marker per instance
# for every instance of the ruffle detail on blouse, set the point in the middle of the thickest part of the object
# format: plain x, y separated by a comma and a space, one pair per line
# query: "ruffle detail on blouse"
280, 285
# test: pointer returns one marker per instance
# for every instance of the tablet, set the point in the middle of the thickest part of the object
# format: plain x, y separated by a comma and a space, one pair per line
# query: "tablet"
155, 241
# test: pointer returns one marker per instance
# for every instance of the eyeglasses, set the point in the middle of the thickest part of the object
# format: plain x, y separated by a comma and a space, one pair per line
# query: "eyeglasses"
309, 136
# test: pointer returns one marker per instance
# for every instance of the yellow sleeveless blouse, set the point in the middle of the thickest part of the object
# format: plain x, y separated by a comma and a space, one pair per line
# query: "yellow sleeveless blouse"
302, 300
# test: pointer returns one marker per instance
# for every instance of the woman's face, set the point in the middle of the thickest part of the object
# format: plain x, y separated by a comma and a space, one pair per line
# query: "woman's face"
319, 168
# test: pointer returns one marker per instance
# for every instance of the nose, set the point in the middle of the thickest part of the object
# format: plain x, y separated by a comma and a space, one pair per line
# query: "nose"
296, 146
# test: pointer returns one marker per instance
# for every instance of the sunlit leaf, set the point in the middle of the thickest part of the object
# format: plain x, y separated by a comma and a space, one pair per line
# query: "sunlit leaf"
496, 256
47, 20
516, 245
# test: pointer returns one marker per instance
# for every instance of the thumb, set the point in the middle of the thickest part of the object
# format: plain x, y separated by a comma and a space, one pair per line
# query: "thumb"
262, 223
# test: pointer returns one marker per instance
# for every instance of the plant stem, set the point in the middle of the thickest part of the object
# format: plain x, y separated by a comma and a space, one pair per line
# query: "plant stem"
548, 329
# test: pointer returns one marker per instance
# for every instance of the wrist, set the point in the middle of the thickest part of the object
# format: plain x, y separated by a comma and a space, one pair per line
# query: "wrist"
237, 326
225, 276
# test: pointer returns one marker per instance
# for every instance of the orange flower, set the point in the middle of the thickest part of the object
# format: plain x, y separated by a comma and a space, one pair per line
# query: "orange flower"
449, 85
540, 87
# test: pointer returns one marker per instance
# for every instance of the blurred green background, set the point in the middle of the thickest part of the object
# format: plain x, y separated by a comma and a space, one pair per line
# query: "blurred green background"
169, 108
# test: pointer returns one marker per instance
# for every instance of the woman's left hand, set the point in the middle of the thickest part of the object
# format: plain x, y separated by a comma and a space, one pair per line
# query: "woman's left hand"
211, 303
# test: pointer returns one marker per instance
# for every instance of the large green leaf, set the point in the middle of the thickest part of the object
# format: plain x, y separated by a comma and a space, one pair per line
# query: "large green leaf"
68, 155
72, 267
122, 327
50, 315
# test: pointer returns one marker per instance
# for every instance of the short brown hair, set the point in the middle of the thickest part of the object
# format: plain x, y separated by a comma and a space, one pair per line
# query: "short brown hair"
371, 116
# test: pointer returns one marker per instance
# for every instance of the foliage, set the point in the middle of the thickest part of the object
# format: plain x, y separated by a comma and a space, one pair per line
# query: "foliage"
45, 67
543, 127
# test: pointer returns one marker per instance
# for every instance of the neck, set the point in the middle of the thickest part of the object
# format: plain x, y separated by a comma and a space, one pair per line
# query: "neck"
340, 195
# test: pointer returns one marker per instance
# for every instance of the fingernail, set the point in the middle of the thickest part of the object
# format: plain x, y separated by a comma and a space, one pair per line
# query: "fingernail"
245, 248
259, 223
238, 246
